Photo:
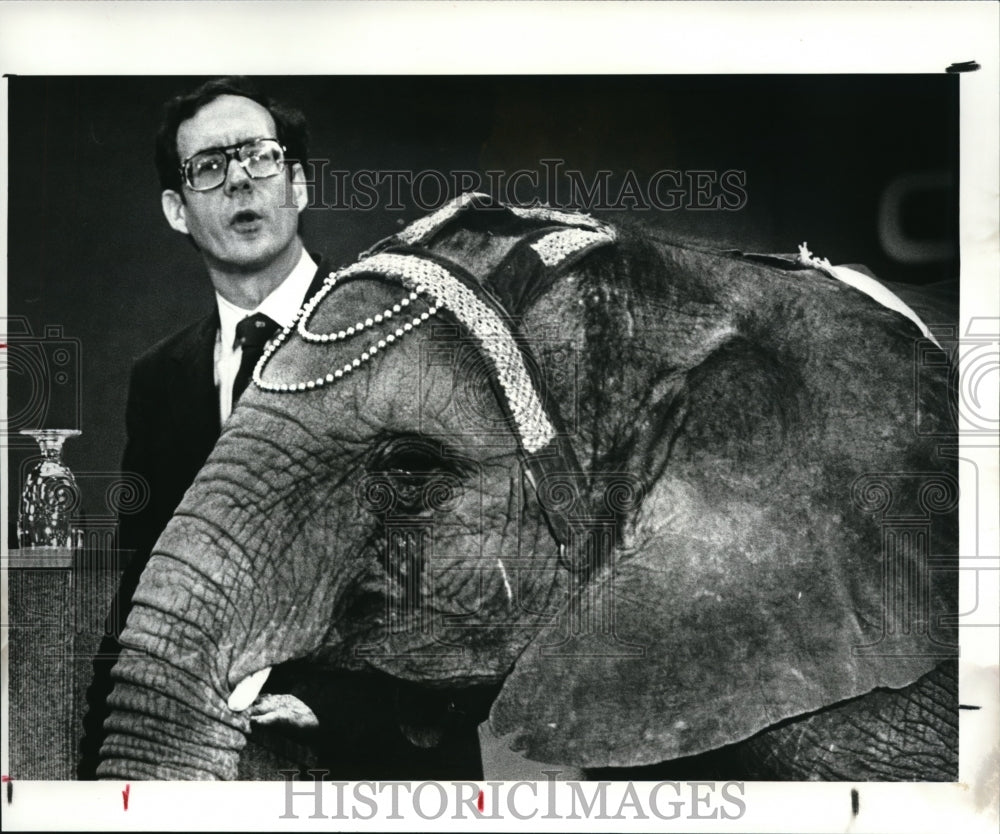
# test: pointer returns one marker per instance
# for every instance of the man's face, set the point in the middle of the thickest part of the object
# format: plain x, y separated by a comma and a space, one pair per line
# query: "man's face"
243, 224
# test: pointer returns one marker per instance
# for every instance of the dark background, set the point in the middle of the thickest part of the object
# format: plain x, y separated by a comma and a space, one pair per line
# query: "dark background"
95, 275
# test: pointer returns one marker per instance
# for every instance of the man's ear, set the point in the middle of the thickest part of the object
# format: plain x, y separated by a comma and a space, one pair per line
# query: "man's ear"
300, 192
174, 210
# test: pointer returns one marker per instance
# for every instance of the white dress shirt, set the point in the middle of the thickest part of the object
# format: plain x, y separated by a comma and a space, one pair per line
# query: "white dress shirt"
281, 305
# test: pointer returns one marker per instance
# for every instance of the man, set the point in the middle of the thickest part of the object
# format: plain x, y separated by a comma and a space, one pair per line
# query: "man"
229, 187
230, 165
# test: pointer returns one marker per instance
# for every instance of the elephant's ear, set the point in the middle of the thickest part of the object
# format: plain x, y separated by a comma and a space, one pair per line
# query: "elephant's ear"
694, 643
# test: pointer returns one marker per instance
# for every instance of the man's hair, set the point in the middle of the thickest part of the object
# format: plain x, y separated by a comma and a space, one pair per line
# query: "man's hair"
289, 123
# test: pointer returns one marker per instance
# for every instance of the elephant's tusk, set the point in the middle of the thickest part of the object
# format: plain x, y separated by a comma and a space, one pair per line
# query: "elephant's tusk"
247, 690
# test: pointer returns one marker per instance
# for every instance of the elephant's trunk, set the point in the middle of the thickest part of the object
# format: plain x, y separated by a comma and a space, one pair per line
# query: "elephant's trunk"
169, 714
216, 605
153, 736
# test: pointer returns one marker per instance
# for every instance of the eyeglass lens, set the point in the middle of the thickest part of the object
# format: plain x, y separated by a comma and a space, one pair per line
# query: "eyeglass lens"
208, 169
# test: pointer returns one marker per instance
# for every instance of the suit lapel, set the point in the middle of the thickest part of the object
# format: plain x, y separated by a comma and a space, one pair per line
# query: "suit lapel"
322, 271
193, 395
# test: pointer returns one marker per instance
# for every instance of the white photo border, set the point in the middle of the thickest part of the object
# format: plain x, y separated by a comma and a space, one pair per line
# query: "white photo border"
263, 38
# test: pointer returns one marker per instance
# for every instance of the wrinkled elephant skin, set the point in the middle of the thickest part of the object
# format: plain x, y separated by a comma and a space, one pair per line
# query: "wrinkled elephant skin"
760, 453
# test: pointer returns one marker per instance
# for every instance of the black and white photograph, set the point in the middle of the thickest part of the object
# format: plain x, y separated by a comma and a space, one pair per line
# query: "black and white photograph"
594, 444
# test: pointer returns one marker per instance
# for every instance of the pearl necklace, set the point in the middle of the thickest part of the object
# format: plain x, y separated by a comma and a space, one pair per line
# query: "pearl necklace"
302, 320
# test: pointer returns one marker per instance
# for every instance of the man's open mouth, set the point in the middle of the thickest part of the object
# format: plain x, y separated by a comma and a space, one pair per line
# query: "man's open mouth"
246, 220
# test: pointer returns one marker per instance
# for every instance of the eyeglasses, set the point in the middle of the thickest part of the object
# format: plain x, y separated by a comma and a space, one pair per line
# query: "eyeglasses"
260, 158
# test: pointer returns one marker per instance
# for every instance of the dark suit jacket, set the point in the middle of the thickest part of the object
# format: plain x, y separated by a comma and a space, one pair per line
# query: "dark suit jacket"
172, 423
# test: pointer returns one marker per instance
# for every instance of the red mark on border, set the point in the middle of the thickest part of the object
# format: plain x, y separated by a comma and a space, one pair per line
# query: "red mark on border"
479, 802
10, 787
125, 794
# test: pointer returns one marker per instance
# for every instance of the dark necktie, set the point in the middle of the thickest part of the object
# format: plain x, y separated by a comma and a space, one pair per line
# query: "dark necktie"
252, 333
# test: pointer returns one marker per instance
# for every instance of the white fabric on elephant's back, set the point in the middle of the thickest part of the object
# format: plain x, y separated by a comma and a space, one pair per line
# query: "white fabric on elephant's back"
882, 294
866, 284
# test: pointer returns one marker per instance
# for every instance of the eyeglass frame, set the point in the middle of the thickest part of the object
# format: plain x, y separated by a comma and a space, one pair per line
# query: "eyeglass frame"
231, 152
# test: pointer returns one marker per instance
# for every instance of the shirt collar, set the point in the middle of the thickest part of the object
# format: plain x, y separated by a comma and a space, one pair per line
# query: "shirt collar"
281, 305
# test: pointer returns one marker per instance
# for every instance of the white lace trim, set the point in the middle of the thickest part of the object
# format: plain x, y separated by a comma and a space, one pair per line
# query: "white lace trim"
555, 247
420, 230
551, 215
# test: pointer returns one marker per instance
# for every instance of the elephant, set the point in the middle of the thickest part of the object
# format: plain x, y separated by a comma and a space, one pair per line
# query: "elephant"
681, 507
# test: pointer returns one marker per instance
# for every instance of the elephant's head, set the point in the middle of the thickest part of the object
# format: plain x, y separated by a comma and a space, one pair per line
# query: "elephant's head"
628, 483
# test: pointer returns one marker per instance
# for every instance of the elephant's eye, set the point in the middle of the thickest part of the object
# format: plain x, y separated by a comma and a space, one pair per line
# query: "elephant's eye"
412, 475
413, 460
